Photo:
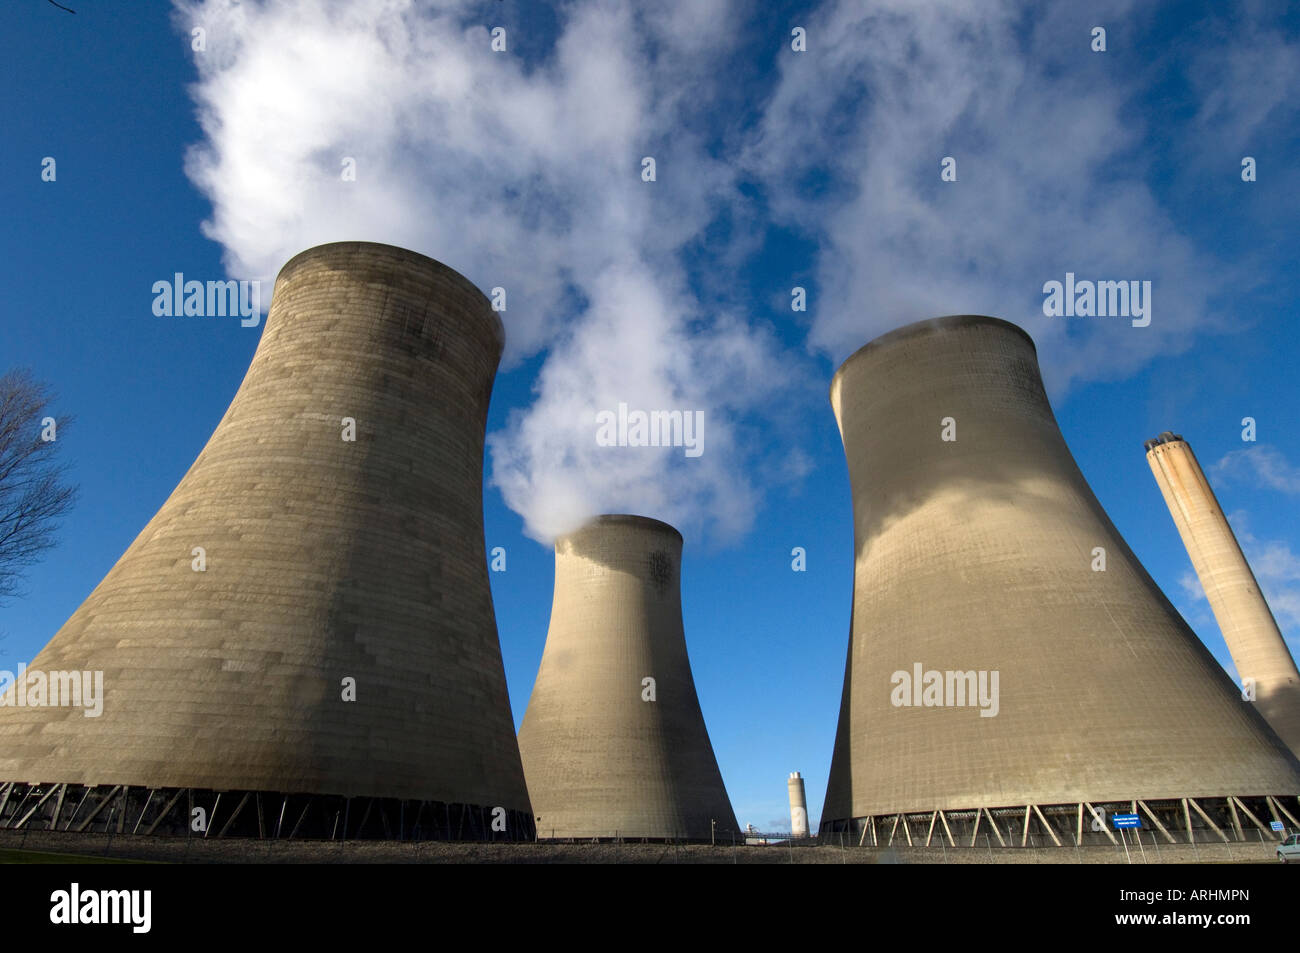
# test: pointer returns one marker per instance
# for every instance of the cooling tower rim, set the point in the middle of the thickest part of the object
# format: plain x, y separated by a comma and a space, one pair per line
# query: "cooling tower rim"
625, 519
413, 257
948, 322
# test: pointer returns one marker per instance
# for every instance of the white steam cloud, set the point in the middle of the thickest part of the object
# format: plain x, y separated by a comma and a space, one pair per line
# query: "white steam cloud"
524, 176
522, 169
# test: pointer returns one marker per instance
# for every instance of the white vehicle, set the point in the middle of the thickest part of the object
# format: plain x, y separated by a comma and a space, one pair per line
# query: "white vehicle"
1289, 849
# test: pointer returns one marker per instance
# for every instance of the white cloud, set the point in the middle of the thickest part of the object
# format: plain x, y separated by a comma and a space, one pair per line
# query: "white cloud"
1261, 464
524, 172
1051, 177
526, 176
1246, 76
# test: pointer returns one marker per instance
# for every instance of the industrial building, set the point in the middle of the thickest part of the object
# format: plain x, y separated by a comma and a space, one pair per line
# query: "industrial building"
613, 740
1013, 672
301, 642
1264, 664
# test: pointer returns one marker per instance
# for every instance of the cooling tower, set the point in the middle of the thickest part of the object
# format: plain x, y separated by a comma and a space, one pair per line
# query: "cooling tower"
613, 741
1011, 664
1258, 649
798, 806
307, 620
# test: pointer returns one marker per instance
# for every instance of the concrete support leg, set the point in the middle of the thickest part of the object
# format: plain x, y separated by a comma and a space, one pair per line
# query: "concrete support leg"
58, 808
99, 807
167, 808
37, 806
1100, 817
1156, 821
943, 820
1236, 821
1205, 817
1048, 827
993, 824
1277, 805
1245, 810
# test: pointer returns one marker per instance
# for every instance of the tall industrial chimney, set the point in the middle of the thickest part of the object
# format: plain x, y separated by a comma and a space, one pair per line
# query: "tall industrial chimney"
1011, 663
307, 619
1258, 649
798, 806
613, 741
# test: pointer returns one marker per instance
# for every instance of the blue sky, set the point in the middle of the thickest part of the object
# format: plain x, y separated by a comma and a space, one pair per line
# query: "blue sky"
775, 169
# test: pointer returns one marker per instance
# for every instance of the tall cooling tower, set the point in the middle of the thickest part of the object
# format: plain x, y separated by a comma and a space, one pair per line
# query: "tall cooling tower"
613, 741
1012, 668
302, 640
1257, 647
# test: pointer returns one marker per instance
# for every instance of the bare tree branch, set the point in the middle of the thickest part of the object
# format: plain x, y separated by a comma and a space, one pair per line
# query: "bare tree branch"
33, 494
62, 7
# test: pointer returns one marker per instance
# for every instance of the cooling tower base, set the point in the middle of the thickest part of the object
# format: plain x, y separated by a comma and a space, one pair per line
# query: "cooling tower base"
720, 836
1173, 821
177, 812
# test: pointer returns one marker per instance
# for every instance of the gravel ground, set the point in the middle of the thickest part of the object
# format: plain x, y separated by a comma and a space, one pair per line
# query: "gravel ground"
239, 851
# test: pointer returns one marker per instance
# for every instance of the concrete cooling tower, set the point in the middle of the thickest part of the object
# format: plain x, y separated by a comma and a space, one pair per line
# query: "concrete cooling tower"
1013, 671
301, 642
613, 741
1254, 640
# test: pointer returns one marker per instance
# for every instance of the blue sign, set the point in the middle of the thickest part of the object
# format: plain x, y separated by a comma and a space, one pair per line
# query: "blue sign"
1125, 820
1276, 825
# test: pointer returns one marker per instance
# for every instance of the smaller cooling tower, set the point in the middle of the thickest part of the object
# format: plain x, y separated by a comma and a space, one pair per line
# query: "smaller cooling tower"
613, 742
798, 806
1257, 647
